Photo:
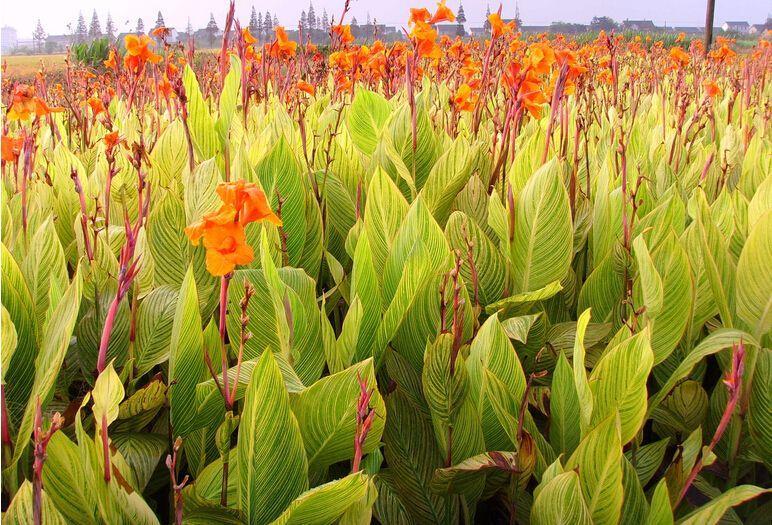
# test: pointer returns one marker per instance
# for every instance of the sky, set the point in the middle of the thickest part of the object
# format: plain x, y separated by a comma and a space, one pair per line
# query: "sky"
55, 15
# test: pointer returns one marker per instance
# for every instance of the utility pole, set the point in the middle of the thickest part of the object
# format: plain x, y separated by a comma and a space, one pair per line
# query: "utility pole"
709, 25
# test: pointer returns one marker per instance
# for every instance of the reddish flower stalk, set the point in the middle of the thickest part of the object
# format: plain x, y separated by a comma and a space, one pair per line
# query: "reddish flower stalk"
41, 440
557, 96
733, 382
365, 416
224, 282
83, 214
171, 464
245, 336
129, 267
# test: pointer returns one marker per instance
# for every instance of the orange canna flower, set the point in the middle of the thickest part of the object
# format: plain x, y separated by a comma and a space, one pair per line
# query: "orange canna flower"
344, 34
110, 63
419, 15
426, 40
97, 106
464, 100
679, 57
160, 32
443, 14
541, 57
305, 87
11, 147
283, 47
247, 37
248, 200
111, 139
223, 232
24, 104
138, 53
498, 27
711, 89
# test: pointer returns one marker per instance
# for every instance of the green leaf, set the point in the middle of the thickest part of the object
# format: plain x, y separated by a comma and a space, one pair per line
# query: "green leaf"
186, 359
634, 505
169, 158
526, 298
542, 245
618, 384
200, 191
155, 318
712, 512
719, 340
648, 458
273, 461
448, 177
44, 269
366, 118
326, 414
326, 503
65, 481
200, 122
463, 477
564, 409
168, 244
650, 281
142, 452
754, 283
561, 501
48, 362
107, 395
229, 97
8, 341
20, 510
660, 512
580, 372
599, 460
759, 414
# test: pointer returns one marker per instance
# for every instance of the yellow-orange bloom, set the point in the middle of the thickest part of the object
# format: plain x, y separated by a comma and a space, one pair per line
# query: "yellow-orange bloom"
443, 14
283, 47
541, 57
343, 33
111, 63
464, 99
711, 89
138, 52
11, 147
249, 200
305, 87
419, 15
498, 27
24, 104
247, 37
679, 57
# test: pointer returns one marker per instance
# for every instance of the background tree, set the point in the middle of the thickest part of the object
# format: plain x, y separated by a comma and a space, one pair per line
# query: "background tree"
254, 26
275, 20
259, 27
189, 28
159, 21
313, 23
212, 29
325, 21
81, 31
487, 23
354, 21
140, 26
268, 26
602, 23
110, 28
303, 21
461, 16
94, 30
39, 37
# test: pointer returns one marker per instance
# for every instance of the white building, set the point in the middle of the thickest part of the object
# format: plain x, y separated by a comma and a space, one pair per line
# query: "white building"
736, 27
8, 39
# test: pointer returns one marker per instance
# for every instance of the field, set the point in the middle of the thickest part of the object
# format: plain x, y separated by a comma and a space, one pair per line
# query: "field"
515, 280
25, 66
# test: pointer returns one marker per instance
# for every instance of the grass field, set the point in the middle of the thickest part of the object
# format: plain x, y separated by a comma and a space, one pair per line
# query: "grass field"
27, 65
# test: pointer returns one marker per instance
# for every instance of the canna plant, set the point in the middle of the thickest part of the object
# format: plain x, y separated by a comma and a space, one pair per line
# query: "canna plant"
434, 281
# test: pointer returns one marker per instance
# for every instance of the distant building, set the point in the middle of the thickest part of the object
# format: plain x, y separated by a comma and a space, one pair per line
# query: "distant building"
450, 30
56, 43
688, 30
8, 39
760, 29
638, 25
736, 27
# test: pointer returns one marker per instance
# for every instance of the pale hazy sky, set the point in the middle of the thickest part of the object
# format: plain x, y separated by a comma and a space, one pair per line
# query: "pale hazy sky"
56, 14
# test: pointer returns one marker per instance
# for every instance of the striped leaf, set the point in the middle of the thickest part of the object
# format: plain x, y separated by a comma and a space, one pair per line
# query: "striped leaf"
561, 501
155, 318
20, 511
711, 513
660, 512
543, 237
618, 384
55, 343
759, 414
45, 270
754, 284
200, 122
274, 468
326, 503
366, 118
326, 414
65, 481
186, 359
599, 460
564, 409
168, 244
448, 177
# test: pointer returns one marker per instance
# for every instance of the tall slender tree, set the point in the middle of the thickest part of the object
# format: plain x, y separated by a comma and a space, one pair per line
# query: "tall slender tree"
313, 23
81, 31
487, 24
268, 26
461, 16
325, 21
39, 37
254, 27
140, 26
212, 29
110, 28
303, 21
94, 30
259, 28
159, 21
